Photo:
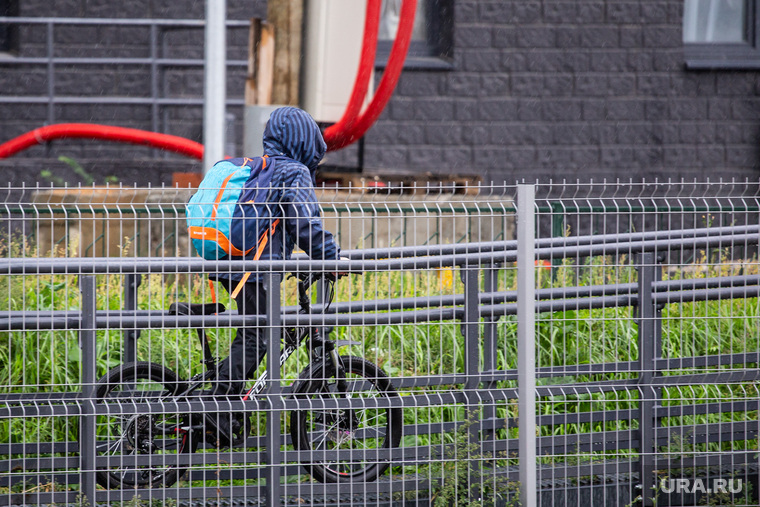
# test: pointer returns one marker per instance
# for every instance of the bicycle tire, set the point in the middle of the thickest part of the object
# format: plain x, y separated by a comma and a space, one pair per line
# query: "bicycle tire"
356, 430
135, 434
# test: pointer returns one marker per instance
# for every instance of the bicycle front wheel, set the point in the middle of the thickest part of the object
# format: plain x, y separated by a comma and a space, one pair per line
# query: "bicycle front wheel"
142, 448
344, 439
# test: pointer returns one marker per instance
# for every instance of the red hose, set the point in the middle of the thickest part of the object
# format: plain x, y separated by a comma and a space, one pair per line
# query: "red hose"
363, 73
341, 134
349, 129
105, 132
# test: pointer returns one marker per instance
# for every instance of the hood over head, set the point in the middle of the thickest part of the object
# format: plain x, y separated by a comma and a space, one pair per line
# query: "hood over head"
292, 132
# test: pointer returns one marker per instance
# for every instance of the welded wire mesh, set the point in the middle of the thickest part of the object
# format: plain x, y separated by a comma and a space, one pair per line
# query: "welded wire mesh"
645, 344
649, 395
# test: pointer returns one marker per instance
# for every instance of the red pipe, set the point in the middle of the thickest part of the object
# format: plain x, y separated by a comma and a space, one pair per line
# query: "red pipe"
349, 129
105, 132
341, 135
363, 74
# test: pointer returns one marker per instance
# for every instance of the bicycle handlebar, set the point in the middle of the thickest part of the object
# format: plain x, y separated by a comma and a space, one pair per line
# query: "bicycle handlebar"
306, 281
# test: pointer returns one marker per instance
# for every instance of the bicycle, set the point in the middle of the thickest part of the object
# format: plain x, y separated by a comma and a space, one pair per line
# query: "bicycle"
352, 432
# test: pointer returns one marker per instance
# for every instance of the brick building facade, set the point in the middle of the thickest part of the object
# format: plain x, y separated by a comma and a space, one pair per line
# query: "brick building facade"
560, 89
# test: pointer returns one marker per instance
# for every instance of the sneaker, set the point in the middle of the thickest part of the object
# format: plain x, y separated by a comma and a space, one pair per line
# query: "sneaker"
226, 430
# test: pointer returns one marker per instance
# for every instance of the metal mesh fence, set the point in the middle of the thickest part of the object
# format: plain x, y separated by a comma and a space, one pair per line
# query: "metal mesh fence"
644, 393
543, 345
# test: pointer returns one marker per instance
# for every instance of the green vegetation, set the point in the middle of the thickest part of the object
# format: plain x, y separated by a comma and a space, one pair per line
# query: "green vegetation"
469, 477
49, 361
87, 178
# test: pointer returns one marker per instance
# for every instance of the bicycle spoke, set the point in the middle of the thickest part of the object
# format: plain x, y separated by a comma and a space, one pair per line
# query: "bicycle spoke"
325, 434
140, 433
110, 448
352, 433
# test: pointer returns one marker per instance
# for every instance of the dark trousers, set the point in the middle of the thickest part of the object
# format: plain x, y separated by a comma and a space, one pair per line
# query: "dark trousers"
249, 345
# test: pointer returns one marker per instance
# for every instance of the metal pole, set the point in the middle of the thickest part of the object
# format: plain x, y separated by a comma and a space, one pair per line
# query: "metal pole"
649, 351
131, 283
87, 399
154, 70
490, 353
215, 83
321, 298
526, 342
470, 325
273, 464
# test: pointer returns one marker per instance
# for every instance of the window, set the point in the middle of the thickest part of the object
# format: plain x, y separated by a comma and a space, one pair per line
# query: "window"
721, 34
431, 45
8, 32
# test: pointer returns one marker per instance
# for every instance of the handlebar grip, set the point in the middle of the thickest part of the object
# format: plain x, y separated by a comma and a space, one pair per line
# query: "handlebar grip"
309, 280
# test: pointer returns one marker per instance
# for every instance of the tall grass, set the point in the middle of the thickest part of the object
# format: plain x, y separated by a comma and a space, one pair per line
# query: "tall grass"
50, 361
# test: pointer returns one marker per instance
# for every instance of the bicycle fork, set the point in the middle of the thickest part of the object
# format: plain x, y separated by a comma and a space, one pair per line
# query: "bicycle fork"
326, 350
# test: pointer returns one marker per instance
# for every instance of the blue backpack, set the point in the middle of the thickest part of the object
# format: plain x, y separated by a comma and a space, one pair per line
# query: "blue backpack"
211, 209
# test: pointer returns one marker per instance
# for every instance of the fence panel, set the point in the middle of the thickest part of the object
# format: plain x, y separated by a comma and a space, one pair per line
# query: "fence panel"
641, 397
645, 342
146, 57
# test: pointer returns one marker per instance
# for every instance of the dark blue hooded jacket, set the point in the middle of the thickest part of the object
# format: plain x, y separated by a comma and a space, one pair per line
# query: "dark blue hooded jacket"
283, 188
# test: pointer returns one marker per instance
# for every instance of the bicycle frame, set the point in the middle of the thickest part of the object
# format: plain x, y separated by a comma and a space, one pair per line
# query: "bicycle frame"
285, 353
325, 377
293, 340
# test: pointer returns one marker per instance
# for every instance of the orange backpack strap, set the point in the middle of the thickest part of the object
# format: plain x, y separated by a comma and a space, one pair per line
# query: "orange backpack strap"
263, 240
213, 291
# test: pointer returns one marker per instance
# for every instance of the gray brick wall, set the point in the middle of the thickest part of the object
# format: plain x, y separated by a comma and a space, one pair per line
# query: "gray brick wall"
551, 89
571, 89
130, 164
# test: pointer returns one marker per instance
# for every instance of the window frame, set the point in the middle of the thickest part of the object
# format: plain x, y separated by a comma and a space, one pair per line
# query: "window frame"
728, 55
437, 52
9, 41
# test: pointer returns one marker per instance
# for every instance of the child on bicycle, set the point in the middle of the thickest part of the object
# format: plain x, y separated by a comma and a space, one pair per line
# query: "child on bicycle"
285, 205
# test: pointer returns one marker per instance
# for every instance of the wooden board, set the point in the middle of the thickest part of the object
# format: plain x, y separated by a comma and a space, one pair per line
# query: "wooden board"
286, 16
402, 183
261, 50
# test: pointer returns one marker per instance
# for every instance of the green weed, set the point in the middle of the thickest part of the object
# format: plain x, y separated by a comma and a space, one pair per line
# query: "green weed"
50, 360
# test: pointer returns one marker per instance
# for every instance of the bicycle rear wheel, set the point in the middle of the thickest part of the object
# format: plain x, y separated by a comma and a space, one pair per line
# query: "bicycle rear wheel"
142, 447
344, 441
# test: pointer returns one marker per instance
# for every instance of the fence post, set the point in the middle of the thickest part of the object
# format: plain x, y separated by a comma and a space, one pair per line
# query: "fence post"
526, 342
87, 395
490, 353
131, 283
649, 348
272, 466
470, 324
321, 299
